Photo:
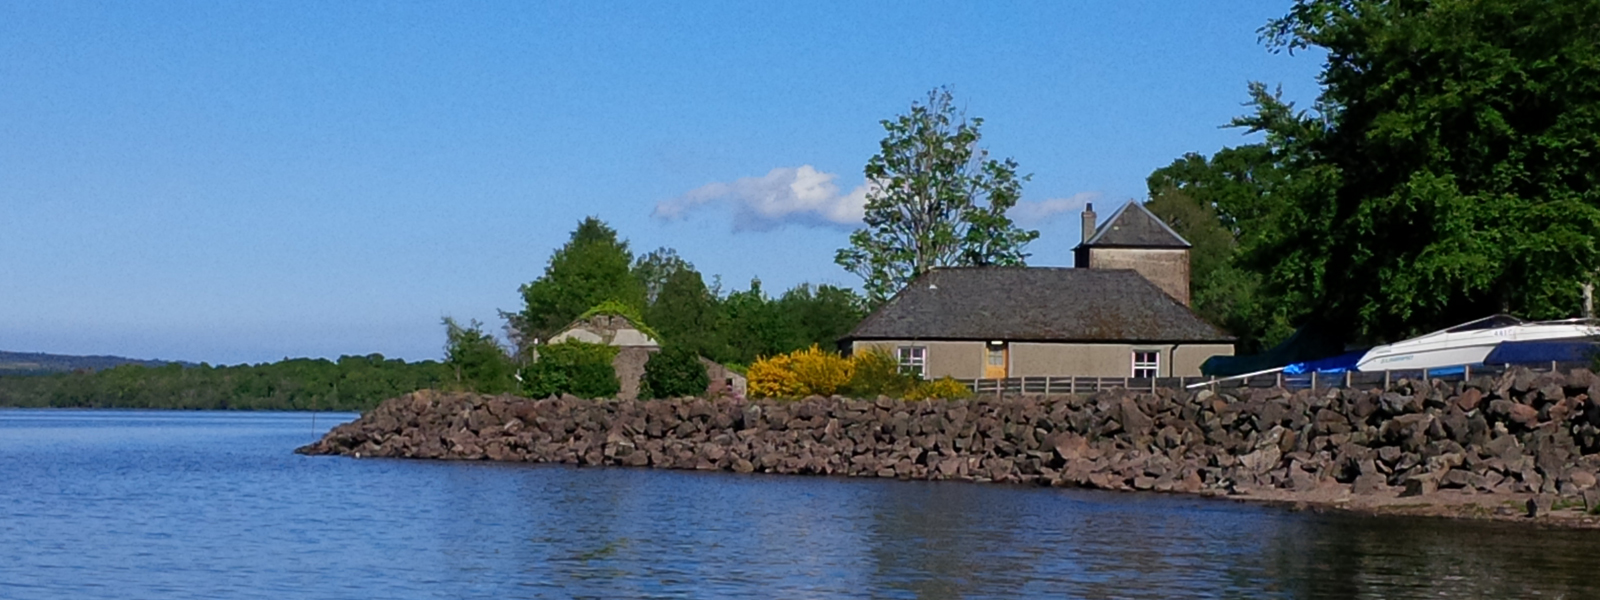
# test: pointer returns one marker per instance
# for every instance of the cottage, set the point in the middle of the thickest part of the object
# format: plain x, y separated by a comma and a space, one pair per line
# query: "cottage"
1123, 313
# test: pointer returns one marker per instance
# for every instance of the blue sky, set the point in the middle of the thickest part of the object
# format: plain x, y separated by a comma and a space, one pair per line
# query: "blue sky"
245, 181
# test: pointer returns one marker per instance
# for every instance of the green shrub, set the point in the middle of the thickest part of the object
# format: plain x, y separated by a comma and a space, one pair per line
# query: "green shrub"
878, 373
572, 367
674, 371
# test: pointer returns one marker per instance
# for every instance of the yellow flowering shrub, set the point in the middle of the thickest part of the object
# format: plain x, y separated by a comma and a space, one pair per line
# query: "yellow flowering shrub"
944, 388
819, 372
772, 377
799, 373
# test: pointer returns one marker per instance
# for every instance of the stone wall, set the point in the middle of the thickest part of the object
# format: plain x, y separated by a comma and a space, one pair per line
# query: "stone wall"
1520, 432
1168, 268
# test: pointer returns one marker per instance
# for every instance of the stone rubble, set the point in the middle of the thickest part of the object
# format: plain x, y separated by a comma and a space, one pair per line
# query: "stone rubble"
1521, 432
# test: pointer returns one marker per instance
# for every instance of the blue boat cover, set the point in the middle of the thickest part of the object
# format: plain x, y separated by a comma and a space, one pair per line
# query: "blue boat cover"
1532, 353
1333, 364
1312, 341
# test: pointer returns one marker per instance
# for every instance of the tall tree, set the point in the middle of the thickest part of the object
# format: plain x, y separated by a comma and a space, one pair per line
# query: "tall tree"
1449, 170
934, 199
821, 314
1221, 205
655, 268
593, 267
686, 314
754, 326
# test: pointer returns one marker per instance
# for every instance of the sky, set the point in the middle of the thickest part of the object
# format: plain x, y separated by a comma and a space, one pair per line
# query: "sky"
240, 182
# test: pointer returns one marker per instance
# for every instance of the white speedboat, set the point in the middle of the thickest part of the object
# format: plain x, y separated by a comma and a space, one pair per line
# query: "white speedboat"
1469, 343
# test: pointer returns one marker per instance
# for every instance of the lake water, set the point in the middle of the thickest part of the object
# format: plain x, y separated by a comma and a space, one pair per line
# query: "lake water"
117, 504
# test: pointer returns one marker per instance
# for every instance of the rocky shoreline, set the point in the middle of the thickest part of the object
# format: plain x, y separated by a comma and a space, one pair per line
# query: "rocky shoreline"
1484, 448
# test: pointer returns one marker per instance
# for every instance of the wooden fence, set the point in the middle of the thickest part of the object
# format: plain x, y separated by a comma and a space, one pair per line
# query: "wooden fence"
1347, 379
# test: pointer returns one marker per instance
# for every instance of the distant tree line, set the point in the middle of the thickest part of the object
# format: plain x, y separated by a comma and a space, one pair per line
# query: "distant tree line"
352, 383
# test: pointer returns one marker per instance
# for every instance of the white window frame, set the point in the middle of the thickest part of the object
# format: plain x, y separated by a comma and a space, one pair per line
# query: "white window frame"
1146, 369
913, 359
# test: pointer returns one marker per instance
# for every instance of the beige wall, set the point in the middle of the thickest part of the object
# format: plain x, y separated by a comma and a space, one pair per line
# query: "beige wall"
1168, 268
961, 360
1083, 360
1107, 360
964, 360
1187, 358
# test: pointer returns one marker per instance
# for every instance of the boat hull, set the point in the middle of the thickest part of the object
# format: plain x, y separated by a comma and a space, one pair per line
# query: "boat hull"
1454, 348
1427, 359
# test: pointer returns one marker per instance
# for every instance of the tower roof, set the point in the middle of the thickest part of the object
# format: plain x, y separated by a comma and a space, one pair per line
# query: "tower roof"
1134, 226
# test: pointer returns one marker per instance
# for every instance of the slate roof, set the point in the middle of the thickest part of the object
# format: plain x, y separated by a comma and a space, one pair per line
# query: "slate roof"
1134, 226
1035, 304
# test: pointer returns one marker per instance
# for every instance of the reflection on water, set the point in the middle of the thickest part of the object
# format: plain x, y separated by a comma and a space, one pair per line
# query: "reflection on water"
214, 505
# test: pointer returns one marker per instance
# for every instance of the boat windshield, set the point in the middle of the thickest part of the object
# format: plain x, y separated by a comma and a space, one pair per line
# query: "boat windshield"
1494, 322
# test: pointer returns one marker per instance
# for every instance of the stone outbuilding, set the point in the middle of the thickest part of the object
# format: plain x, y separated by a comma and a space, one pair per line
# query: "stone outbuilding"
635, 345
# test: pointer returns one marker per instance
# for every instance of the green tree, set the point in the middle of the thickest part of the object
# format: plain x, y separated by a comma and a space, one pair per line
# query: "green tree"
674, 372
1221, 205
655, 268
935, 199
754, 326
479, 363
820, 314
593, 267
686, 313
1449, 168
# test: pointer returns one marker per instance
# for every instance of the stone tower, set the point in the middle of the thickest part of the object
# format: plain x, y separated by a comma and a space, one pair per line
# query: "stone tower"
1134, 238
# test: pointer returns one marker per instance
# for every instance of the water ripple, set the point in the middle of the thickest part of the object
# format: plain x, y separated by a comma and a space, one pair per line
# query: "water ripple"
126, 504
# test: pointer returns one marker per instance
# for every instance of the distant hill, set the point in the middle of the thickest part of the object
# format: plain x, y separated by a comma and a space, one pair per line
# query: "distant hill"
37, 363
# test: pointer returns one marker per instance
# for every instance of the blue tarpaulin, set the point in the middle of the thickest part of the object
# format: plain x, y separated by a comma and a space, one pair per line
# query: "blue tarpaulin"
1312, 341
1333, 364
1535, 353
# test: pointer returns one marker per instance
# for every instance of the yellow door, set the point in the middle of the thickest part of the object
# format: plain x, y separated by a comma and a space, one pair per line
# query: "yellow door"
995, 361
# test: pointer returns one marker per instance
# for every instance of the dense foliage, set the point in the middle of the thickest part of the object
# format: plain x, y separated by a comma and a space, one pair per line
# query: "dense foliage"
878, 373
1447, 172
935, 199
674, 372
351, 383
1223, 206
670, 300
478, 361
593, 267
572, 367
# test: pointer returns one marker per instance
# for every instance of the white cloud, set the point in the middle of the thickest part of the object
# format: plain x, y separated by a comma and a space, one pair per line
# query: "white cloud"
1035, 213
808, 197
786, 195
